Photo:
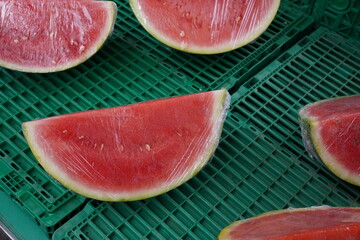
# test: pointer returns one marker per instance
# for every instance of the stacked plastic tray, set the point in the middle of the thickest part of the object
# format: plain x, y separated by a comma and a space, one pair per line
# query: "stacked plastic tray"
341, 16
260, 164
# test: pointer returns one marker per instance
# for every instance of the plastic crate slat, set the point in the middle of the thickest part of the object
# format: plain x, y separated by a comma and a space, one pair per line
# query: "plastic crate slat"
260, 156
260, 163
142, 69
341, 16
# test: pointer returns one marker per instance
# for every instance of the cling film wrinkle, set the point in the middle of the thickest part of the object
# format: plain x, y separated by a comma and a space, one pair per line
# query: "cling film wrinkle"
216, 27
130, 152
47, 36
260, 164
319, 222
194, 147
205, 138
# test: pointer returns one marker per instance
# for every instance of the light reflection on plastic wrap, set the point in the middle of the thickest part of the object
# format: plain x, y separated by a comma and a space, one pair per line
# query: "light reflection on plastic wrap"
47, 36
212, 27
330, 133
318, 223
130, 152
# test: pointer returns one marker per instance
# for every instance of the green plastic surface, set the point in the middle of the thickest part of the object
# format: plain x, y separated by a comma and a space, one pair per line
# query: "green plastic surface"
342, 16
19, 222
260, 164
304, 5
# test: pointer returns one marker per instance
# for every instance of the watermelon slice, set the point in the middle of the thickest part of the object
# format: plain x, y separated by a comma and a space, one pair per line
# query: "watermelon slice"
130, 152
331, 133
335, 223
49, 36
205, 26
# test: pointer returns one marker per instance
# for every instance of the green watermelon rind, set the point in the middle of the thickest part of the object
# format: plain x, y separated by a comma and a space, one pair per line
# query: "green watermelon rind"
225, 233
316, 149
229, 46
106, 32
221, 106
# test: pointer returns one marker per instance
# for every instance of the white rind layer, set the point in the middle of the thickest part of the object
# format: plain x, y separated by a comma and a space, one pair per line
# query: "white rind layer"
221, 107
105, 32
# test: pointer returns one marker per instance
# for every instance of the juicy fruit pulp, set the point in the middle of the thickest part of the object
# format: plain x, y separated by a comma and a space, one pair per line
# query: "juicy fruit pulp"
331, 133
49, 36
130, 152
302, 224
205, 26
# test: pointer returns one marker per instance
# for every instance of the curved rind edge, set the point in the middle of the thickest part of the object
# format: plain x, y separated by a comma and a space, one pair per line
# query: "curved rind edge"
96, 47
221, 105
220, 113
330, 162
316, 149
208, 50
225, 233
305, 127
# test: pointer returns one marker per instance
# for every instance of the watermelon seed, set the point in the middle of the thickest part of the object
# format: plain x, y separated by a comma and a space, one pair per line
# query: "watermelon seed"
121, 147
16, 41
141, 149
24, 38
101, 147
81, 137
186, 14
82, 48
147, 146
178, 133
182, 34
65, 131
51, 35
95, 145
72, 42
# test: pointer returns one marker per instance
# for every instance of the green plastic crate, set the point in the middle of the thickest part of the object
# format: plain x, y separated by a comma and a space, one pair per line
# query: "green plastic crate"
342, 16
304, 5
260, 164
141, 69
19, 224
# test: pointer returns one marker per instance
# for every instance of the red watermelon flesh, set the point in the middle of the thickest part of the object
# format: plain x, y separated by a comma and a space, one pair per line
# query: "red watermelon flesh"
205, 26
130, 152
318, 223
49, 36
331, 133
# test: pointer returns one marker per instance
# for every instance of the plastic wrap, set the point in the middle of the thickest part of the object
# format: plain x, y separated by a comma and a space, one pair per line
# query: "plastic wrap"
302, 223
206, 27
130, 152
331, 134
47, 36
